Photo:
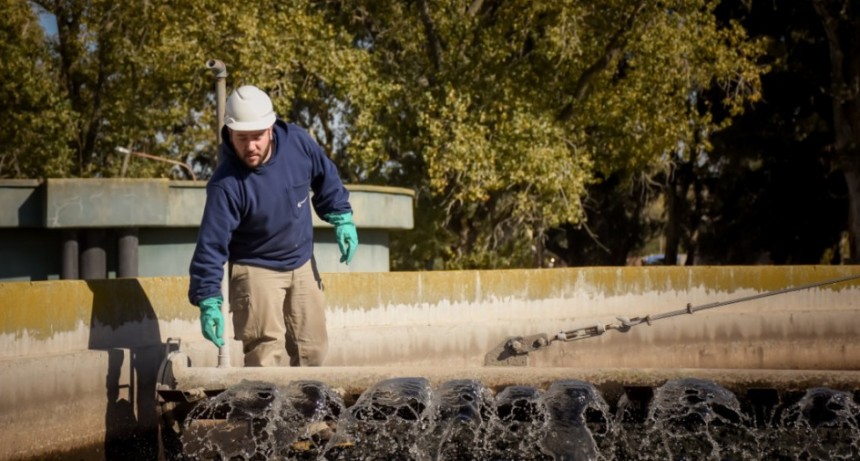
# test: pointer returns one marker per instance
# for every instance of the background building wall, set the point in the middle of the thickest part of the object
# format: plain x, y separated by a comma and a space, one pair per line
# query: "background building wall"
37, 217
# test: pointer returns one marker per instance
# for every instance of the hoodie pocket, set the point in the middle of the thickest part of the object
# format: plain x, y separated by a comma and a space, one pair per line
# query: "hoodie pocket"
300, 199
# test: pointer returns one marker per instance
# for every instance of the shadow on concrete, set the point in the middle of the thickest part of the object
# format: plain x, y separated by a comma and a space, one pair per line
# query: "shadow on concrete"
125, 326
30, 254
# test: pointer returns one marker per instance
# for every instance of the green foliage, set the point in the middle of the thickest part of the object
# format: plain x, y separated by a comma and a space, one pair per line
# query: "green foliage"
132, 74
36, 129
512, 107
499, 114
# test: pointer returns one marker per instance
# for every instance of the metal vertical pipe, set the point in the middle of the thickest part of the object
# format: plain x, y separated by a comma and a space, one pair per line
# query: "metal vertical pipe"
127, 252
70, 255
220, 70
94, 255
126, 156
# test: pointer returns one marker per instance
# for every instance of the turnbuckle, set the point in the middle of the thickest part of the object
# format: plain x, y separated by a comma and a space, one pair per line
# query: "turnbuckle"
627, 323
581, 333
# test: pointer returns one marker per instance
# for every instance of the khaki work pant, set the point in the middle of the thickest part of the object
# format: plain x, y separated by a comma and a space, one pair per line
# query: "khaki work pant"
276, 312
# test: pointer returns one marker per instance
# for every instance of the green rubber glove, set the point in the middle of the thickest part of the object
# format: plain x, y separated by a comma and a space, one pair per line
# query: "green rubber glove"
344, 231
212, 320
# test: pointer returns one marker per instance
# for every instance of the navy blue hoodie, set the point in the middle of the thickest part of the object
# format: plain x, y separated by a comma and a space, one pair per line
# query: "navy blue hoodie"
262, 217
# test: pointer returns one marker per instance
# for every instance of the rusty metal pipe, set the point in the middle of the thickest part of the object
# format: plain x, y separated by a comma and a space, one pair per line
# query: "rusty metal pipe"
123, 150
220, 70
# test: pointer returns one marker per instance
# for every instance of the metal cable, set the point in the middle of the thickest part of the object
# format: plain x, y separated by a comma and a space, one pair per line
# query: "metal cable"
627, 323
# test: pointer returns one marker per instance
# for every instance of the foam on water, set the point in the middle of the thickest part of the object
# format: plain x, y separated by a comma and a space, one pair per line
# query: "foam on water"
408, 419
386, 422
824, 424
579, 424
259, 421
460, 415
692, 419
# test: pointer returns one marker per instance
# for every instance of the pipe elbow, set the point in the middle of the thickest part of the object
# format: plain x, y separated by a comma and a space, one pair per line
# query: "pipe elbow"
218, 67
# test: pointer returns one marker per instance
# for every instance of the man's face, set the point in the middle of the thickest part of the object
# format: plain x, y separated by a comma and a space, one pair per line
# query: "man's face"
253, 147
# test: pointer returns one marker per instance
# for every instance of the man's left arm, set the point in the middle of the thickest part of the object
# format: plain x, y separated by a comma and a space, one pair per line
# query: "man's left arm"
331, 201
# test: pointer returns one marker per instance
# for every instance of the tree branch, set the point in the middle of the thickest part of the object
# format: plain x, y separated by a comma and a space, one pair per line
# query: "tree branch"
844, 83
434, 46
611, 51
475, 7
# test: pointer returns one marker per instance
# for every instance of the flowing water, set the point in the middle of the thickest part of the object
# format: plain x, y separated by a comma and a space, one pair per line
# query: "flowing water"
408, 419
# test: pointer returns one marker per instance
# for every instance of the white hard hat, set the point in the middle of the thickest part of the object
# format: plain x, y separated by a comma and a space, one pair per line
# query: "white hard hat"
249, 109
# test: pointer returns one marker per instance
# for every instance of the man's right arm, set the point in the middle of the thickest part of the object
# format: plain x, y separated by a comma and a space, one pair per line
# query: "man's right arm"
220, 218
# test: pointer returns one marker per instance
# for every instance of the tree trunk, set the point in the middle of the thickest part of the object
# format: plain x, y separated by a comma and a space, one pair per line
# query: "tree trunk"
852, 179
841, 21
673, 221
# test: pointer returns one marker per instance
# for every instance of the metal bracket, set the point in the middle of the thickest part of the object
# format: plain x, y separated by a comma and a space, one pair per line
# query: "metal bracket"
514, 351
173, 357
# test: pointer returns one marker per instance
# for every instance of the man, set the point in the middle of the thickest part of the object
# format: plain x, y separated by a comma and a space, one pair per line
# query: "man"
257, 217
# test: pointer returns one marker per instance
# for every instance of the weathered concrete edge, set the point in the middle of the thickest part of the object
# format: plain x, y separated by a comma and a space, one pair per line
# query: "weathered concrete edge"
611, 381
119, 202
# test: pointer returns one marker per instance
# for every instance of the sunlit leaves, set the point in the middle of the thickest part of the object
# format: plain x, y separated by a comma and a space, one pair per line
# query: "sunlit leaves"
513, 107
36, 130
499, 114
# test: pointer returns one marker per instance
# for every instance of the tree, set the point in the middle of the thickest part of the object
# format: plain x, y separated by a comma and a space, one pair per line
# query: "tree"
35, 132
503, 113
131, 75
500, 115
119, 84
776, 194
841, 21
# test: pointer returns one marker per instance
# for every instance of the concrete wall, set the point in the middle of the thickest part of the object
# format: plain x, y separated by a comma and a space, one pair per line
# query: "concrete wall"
79, 359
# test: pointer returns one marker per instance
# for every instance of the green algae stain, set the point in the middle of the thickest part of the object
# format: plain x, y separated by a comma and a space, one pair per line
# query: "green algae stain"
43, 309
